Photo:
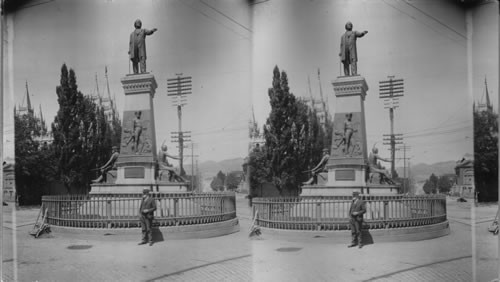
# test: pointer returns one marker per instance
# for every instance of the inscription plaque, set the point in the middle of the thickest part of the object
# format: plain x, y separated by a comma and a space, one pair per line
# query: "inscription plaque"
345, 174
134, 172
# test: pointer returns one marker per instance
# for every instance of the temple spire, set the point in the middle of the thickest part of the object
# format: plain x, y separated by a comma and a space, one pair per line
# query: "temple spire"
489, 107
28, 101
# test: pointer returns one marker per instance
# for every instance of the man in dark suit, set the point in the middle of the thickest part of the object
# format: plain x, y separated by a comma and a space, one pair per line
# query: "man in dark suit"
358, 208
146, 210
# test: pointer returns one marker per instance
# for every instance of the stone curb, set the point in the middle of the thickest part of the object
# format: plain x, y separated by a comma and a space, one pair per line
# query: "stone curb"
198, 231
405, 234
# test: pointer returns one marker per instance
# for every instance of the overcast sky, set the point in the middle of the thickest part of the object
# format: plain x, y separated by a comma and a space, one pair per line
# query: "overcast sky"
207, 40
422, 42
231, 47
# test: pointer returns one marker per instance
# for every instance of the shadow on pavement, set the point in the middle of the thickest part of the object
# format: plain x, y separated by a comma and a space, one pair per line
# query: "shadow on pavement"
367, 237
157, 235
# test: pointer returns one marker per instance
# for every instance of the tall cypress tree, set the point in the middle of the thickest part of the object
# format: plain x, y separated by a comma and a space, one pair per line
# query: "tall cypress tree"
81, 139
294, 140
293, 134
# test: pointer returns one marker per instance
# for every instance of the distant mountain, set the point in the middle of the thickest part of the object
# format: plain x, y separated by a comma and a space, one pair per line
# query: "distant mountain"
212, 168
421, 172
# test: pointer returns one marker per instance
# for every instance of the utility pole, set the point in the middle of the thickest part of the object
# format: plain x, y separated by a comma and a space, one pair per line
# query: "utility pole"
178, 88
199, 181
392, 140
390, 90
191, 145
409, 177
404, 148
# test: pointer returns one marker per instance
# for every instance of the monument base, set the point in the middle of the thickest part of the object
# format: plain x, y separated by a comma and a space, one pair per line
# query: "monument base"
349, 175
373, 189
106, 188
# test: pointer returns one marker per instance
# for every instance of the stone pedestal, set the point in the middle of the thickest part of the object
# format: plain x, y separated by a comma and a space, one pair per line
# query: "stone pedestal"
348, 154
136, 163
347, 165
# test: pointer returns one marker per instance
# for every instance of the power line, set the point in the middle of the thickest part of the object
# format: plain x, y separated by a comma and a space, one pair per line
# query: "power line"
443, 132
427, 130
220, 131
226, 16
437, 20
422, 22
211, 18
260, 2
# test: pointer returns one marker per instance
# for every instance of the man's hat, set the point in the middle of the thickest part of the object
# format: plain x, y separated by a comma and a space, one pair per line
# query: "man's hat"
145, 191
355, 193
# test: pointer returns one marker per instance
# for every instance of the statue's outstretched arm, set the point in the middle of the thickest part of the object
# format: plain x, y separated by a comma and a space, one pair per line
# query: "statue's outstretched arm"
321, 163
149, 32
382, 159
172, 157
361, 34
111, 160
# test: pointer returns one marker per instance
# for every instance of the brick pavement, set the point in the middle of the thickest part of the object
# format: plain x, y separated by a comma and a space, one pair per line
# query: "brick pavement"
236, 258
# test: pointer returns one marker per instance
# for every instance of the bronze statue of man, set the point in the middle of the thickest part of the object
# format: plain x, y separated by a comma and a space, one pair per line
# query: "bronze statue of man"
373, 159
348, 54
108, 166
137, 46
164, 165
318, 168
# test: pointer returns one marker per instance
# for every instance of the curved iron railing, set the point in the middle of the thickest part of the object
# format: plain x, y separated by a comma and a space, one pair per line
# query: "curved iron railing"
122, 210
332, 212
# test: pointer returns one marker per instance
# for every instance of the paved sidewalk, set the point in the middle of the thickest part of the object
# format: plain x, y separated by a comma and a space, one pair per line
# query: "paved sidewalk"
235, 257
486, 243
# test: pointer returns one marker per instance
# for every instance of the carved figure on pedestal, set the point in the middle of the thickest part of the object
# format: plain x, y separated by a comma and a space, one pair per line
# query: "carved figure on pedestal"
137, 46
165, 166
345, 142
136, 132
348, 53
348, 131
373, 167
319, 168
108, 166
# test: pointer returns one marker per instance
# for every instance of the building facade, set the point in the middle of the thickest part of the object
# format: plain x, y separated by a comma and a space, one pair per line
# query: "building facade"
464, 186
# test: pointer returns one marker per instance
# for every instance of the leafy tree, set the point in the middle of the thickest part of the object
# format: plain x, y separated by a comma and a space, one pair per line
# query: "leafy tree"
431, 184
433, 179
294, 140
257, 168
429, 187
82, 139
218, 182
221, 176
232, 181
34, 165
486, 155
444, 184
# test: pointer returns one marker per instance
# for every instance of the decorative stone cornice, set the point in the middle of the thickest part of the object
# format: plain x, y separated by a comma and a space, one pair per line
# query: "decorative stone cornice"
139, 84
350, 86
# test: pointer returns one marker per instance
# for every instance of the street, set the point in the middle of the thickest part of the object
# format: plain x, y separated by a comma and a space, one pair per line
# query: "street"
236, 257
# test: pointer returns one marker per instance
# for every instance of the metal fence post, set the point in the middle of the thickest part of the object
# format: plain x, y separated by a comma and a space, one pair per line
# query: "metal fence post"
108, 213
386, 212
318, 216
176, 210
